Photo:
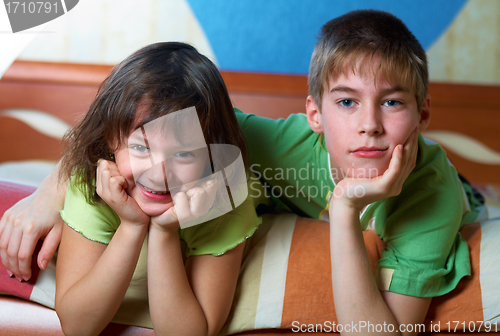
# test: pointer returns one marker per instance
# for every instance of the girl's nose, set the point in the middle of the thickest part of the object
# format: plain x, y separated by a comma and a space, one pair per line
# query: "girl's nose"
158, 174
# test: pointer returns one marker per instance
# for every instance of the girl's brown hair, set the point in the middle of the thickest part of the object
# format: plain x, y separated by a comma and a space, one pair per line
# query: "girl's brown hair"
165, 77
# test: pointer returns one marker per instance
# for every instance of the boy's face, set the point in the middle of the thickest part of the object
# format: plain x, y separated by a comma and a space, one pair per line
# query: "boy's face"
363, 121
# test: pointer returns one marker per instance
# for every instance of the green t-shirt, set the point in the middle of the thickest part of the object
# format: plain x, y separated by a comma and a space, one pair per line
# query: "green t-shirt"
99, 223
425, 255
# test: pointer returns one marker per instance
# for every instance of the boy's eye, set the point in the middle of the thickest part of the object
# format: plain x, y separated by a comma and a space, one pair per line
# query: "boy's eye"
392, 103
140, 148
184, 154
346, 102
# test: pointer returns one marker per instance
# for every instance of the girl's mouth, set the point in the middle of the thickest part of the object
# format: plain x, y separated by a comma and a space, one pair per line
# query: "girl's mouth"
154, 192
155, 195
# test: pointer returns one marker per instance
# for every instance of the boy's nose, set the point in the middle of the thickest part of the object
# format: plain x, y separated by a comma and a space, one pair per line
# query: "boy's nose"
370, 122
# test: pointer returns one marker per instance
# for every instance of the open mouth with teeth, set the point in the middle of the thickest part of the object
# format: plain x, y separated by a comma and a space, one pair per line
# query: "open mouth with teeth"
153, 191
155, 195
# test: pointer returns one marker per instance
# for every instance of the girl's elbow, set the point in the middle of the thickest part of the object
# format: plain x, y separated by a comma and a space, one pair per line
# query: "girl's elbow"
72, 326
69, 326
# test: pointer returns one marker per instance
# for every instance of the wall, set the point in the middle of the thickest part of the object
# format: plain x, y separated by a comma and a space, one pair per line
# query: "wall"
462, 37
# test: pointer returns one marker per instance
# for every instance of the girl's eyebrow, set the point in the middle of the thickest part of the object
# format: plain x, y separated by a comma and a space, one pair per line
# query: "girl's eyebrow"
136, 135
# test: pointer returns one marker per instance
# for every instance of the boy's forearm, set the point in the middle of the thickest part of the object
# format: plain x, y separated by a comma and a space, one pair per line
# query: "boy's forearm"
97, 296
356, 296
173, 306
54, 188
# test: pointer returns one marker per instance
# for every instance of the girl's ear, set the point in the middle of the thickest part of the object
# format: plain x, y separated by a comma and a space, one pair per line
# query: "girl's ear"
425, 114
314, 115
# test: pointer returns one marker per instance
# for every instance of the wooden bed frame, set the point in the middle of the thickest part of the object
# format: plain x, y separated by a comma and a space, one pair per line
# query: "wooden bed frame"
66, 90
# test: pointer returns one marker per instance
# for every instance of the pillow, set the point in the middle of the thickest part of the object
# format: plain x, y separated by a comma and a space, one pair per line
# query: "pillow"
41, 287
285, 280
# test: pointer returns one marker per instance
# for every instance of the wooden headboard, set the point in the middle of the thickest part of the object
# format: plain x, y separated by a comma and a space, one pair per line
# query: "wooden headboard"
66, 90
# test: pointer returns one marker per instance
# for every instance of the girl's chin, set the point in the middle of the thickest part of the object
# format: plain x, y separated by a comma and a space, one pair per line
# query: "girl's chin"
153, 211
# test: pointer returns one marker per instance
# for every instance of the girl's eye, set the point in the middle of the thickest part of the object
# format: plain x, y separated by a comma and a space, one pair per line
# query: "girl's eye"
346, 103
184, 155
392, 103
140, 148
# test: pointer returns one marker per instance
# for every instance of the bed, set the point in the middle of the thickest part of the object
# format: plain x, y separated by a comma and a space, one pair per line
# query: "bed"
40, 101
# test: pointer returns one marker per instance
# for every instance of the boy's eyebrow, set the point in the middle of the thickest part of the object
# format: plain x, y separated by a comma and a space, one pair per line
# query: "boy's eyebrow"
346, 89
341, 88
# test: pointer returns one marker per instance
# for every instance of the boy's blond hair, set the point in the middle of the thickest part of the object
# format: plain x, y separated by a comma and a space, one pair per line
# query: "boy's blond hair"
368, 40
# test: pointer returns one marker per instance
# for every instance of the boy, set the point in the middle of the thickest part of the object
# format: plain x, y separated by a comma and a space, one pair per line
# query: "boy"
368, 102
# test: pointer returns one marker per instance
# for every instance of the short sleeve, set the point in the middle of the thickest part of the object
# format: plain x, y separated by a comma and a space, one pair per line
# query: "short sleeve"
96, 222
425, 255
223, 233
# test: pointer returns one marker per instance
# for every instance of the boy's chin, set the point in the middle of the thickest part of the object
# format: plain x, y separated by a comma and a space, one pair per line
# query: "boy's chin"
364, 172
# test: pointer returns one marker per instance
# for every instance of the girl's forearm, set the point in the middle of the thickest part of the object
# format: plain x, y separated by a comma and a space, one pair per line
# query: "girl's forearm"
355, 292
96, 297
173, 306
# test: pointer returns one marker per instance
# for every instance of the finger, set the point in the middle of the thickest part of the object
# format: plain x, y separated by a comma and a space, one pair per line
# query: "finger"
191, 192
49, 247
198, 205
13, 252
103, 188
394, 165
4, 245
3, 222
26, 249
113, 168
181, 204
98, 178
116, 188
410, 152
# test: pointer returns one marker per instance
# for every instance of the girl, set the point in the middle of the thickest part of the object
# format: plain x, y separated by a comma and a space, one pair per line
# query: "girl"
121, 250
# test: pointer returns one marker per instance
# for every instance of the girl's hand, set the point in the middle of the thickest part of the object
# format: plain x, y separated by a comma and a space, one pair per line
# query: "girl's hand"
111, 188
359, 192
188, 206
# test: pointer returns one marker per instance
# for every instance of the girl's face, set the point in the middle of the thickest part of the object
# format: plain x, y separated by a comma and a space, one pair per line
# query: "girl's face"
158, 162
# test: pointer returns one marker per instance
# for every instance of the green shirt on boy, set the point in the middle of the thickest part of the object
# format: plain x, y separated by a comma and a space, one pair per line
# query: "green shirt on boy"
425, 255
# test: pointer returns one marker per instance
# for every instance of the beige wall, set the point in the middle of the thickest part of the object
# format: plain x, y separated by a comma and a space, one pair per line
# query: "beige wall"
469, 51
106, 31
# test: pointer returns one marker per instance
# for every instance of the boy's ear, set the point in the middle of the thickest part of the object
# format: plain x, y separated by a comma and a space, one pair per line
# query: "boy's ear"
425, 114
314, 115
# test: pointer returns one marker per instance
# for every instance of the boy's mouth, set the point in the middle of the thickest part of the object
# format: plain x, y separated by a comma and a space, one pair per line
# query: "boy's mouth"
369, 152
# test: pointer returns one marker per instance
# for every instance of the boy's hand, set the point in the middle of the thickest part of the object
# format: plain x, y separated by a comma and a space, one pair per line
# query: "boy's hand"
189, 206
111, 186
359, 192
32, 218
